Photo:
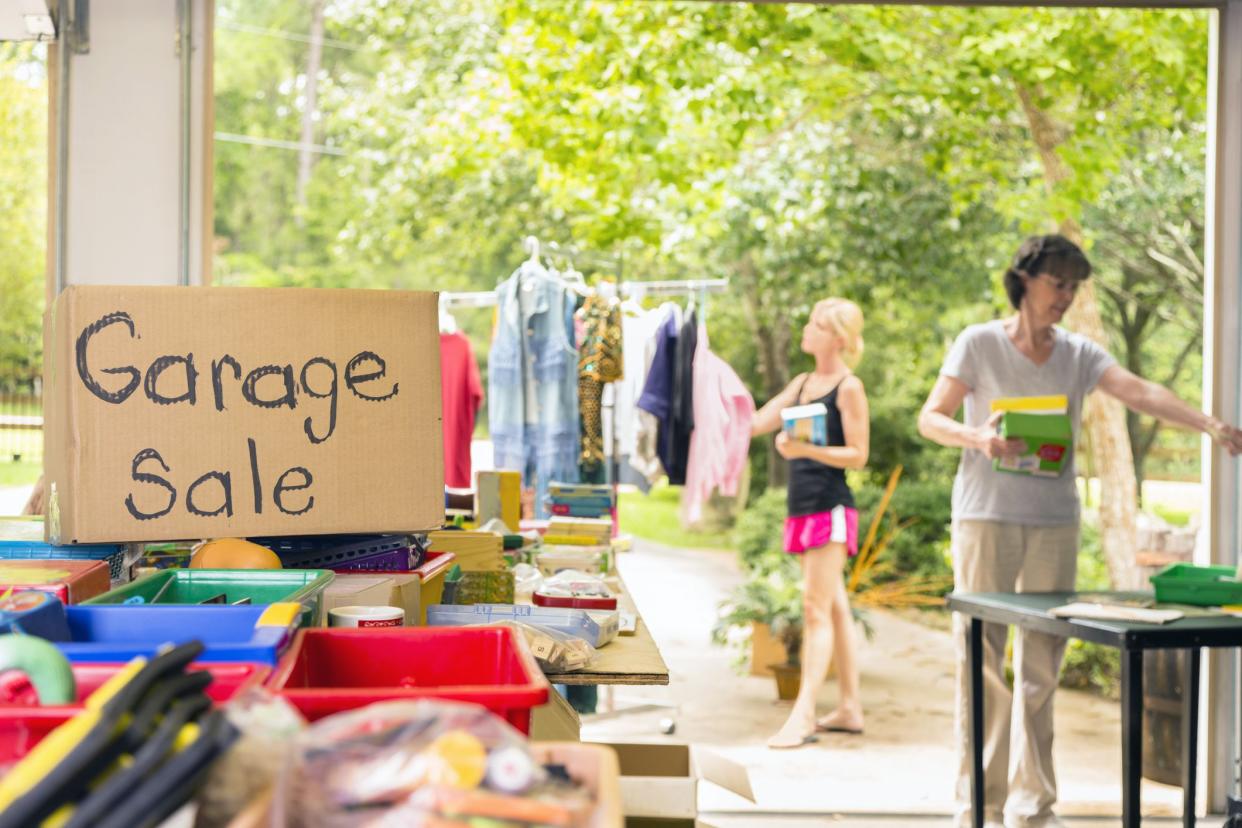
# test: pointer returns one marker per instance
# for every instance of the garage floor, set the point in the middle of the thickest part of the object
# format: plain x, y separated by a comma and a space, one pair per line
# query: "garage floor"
900, 773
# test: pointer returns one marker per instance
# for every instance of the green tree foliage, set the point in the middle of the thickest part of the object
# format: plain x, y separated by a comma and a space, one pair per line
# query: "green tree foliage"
23, 212
886, 154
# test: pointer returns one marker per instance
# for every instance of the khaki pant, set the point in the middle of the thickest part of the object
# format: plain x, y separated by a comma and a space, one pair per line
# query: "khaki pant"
1008, 557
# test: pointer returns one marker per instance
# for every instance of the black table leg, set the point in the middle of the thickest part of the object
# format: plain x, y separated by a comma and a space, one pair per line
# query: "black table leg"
1190, 737
976, 722
1131, 735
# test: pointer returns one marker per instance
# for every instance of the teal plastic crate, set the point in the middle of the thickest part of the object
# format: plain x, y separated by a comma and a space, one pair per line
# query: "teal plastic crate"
227, 586
1203, 586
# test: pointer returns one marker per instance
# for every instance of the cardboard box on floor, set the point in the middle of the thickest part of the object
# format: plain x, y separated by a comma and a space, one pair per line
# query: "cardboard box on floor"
185, 412
660, 782
555, 721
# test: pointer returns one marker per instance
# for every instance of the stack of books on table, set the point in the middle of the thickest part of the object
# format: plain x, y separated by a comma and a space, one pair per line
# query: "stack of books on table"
590, 531
580, 501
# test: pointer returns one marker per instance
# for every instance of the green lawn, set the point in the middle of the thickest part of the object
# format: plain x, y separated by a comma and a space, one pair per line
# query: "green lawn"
19, 474
21, 450
1172, 515
654, 516
26, 445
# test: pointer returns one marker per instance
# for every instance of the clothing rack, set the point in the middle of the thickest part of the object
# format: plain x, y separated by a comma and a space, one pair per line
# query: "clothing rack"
621, 288
639, 288
468, 299
533, 246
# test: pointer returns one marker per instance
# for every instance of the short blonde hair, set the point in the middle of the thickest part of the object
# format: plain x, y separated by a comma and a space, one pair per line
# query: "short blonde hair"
845, 319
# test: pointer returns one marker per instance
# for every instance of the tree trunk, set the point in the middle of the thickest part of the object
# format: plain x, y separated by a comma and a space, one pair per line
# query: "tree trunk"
774, 347
1104, 417
314, 59
772, 342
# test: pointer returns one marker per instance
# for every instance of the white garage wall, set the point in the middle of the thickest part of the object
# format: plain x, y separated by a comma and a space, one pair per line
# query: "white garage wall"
124, 180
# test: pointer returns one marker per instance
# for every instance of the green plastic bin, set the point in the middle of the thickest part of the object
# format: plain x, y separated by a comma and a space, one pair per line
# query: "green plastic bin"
1203, 586
260, 586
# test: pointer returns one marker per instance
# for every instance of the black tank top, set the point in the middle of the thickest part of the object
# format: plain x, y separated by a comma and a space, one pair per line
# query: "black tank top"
813, 486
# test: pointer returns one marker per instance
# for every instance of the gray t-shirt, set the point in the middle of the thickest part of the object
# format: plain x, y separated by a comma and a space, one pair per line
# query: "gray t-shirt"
990, 364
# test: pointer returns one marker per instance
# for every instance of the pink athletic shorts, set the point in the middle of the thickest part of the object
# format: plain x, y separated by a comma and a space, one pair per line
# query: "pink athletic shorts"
811, 531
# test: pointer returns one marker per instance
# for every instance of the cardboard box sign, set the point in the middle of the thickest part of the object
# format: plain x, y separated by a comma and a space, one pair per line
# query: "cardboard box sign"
1048, 439
179, 412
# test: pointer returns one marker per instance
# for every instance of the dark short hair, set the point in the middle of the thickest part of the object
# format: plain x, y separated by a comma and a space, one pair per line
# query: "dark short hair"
1053, 254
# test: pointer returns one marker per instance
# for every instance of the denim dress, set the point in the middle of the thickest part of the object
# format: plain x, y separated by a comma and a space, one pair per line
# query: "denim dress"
532, 404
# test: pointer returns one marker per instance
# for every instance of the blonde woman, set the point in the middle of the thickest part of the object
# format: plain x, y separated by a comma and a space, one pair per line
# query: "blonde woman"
822, 526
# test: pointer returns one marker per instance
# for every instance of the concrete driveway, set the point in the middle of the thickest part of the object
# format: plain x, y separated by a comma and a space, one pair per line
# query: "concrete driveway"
900, 772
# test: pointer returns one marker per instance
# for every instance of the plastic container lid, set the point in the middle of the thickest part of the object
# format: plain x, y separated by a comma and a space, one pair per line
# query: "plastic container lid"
597, 628
574, 601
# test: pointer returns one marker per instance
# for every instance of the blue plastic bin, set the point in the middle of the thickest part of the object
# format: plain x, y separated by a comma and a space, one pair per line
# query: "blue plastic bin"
24, 550
118, 633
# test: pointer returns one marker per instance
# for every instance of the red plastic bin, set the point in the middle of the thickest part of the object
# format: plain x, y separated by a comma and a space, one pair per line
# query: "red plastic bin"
329, 670
24, 726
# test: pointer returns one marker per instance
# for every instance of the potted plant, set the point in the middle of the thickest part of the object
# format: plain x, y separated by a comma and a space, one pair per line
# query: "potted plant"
772, 597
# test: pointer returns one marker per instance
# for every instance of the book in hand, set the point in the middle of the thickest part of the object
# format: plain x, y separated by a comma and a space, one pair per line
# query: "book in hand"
808, 423
1044, 425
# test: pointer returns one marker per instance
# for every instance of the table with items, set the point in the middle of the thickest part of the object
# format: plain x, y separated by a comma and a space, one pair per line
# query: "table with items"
630, 659
1187, 628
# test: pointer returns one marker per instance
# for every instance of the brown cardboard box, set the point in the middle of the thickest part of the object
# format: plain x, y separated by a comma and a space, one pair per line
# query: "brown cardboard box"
555, 721
766, 650
407, 593
349, 589
71, 581
184, 412
660, 782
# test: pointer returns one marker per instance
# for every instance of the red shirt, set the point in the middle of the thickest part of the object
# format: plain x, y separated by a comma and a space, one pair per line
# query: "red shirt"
461, 393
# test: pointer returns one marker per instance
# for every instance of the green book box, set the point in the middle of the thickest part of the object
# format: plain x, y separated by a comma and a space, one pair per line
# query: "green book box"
1048, 439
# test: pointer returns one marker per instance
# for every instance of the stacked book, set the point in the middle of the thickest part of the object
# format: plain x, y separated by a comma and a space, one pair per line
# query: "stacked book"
590, 531
473, 551
1043, 424
580, 501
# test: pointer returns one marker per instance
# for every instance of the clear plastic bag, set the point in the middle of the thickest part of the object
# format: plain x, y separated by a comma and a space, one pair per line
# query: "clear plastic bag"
419, 764
555, 651
574, 583
526, 579
268, 725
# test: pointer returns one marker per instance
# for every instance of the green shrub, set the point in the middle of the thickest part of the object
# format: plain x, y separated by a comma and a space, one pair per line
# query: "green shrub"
759, 534
921, 549
1093, 667
1092, 570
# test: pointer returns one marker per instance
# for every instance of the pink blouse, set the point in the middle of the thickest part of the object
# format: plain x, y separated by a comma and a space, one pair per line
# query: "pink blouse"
720, 442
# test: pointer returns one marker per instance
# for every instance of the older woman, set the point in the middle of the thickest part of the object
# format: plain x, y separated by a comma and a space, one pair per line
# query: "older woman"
1019, 533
